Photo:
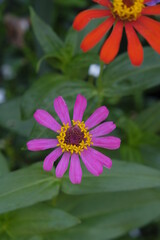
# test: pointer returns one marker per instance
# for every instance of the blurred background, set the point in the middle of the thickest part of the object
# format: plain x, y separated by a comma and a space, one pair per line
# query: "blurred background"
31, 76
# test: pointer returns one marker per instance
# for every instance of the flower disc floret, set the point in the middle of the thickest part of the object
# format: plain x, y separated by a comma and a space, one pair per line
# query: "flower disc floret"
74, 139
127, 9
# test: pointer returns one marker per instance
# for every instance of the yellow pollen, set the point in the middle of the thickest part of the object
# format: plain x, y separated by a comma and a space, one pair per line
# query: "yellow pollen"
127, 9
70, 147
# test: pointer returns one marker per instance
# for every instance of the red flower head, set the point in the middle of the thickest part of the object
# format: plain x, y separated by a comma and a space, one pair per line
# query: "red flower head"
130, 14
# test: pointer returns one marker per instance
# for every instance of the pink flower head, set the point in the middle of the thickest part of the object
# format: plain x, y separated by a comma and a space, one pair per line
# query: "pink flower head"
76, 140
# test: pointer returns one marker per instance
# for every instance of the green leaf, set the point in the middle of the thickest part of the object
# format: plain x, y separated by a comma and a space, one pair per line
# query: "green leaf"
5, 237
131, 154
47, 88
33, 97
123, 176
25, 187
108, 215
148, 120
39, 219
47, 38
133, 131
151, 139
3, 165
31, 238
65, 90
71, 40
151, 156
71, 3
80, 63
43, 92
11, 118
122, 79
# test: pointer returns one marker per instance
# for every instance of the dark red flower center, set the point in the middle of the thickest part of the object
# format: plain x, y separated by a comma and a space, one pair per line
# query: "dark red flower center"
128, 3
127, 10
74, 136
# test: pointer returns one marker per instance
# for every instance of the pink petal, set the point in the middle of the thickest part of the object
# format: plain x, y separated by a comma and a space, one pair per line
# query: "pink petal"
62, 165
99, 115
107, 142
41, 144
51, 158
46, 120
79, 108
98, 156
103, 129
75, 171
61, 109
92, 165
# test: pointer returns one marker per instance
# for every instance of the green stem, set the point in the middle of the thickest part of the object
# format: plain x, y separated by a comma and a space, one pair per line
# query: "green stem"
99, 79
30, 56
138, 100
100, 84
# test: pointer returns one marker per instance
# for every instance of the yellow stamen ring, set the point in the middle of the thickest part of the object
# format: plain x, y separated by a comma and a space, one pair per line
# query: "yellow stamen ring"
121, 11
70, 147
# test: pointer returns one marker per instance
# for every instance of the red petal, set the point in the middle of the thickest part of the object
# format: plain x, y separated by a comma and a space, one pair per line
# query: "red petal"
96, 35
151, 24
105, 3
146, 1
150, 30
135, 49
83, 18
112, 44
152, 10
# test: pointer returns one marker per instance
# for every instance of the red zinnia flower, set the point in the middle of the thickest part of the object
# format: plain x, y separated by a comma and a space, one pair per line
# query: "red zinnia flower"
130, 14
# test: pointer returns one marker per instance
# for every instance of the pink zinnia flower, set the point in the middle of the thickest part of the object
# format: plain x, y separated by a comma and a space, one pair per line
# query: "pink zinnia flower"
76, 139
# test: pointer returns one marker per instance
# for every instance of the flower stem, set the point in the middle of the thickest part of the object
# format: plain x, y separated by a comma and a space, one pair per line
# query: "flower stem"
99, 79
100, 83
139, 101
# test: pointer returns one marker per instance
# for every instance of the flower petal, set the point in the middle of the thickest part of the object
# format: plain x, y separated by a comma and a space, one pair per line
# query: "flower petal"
41, 144
96, 35
104, 160
149, 29
92, 165
79, 108
135, 49
46, 120
105, 3
150, 24
111, 46
103, 129
62, 165
154, 10
75, 170
146, 1
83, 18
51, 158
61, 109
107, 142
99, 115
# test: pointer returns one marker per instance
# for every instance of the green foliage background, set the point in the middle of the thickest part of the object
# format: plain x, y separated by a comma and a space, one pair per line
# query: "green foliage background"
34, 205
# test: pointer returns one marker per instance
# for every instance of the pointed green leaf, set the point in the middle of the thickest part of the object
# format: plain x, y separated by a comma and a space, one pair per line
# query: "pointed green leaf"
11, 118
47, 38
39, 219
109, 215
148, 119
122, 78
25, 187
3, 165
123, 176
